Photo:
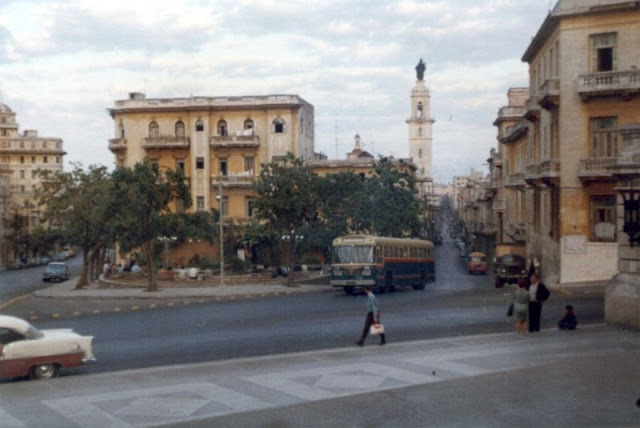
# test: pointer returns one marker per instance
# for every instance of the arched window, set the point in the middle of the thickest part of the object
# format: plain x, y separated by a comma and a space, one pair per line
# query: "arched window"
222, 128
248, 124
154, 130
420, 111
279, 125
180, 129
199, 126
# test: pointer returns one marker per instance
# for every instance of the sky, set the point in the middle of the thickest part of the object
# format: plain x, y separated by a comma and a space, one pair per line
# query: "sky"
64, 63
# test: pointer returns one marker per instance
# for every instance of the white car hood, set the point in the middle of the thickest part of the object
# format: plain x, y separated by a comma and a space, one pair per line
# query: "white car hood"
59, 333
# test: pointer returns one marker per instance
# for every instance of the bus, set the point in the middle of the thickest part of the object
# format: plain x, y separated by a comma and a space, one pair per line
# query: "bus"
380, 262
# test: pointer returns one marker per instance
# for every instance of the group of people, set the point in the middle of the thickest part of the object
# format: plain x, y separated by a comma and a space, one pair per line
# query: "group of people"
527, 306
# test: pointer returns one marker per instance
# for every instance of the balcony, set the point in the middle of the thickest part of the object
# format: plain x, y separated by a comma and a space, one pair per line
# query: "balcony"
515, 132
623, 84
229, 141
550, 172
532, 109
166, 142
242, 180
550, 90
118, 145
596, 169
515, 180
482, 228
532, 174
499, 205
517, 232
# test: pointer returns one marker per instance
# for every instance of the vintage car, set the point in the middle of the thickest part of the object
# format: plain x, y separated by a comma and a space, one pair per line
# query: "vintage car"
55, 271
477, 263
510, 268
39, 354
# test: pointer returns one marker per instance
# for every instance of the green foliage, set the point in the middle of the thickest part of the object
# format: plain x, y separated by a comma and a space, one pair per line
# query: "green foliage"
144, 194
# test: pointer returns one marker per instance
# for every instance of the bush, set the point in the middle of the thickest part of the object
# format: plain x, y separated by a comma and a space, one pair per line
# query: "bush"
237, 266
208, 263
310, 259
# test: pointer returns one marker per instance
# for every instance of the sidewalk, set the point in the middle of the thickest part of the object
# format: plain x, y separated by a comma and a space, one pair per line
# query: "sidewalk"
587, 377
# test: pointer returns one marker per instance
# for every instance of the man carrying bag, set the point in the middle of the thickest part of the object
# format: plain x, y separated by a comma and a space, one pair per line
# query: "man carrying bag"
373, 317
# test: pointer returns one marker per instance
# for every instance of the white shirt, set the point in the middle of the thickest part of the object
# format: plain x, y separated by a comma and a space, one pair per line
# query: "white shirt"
533, 290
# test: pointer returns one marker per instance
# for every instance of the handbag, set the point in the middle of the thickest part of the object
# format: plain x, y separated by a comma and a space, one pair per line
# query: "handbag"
376, 329
510, 310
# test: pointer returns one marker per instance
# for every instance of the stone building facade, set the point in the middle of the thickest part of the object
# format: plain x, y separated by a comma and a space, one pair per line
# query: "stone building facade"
21, 154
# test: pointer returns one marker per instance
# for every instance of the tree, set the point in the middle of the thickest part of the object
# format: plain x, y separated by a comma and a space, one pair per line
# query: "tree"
386, 205
144, 194
287, 200
79, 209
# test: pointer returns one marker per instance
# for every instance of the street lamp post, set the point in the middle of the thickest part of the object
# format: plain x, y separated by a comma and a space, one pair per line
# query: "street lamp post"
221, 231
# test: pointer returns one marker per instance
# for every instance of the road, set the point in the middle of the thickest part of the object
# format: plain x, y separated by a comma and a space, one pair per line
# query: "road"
19, 282
456, 304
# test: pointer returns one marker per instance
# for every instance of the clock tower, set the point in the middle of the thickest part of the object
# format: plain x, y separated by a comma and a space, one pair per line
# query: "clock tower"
420, 125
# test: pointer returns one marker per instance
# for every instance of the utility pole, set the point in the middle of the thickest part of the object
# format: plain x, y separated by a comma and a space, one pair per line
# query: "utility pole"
221, 232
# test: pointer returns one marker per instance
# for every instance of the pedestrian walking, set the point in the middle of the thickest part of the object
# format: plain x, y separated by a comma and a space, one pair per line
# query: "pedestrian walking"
520, 306
538, 293
373, 316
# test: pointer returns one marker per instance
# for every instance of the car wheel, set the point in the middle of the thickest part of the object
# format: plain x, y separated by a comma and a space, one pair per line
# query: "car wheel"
44, 371
349, 290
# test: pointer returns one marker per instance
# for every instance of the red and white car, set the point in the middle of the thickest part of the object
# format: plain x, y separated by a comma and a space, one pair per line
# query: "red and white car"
39, 354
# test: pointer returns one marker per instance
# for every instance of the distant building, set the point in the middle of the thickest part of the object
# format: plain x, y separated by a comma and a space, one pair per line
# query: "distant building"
20, 156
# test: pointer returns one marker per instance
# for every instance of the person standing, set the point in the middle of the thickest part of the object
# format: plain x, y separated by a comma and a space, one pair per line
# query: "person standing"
521, 306
373, 316
538, 293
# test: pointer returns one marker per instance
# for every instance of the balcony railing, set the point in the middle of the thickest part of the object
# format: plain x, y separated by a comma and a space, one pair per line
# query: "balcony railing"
611, 83
234, 141
550, 91
234, 180
162, 142
532, 109
515, 132
515, 180
118, 144
594, 169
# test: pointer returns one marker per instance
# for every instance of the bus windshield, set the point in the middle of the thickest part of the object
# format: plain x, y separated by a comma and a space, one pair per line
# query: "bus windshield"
353, 254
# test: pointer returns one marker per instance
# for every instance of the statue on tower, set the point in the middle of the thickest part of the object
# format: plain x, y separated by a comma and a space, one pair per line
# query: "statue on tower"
420, 69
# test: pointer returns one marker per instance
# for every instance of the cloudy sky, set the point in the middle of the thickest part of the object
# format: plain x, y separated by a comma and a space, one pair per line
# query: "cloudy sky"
63, 63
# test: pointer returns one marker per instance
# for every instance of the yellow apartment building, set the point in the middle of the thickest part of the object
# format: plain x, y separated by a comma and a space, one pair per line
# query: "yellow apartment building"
219, 143
584, 86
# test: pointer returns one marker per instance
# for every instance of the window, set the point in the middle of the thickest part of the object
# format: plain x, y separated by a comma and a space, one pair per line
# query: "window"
603, 52
121, 131
420, 132
420, 110
199, 163
154, 166
222, 128
603, 218
420, 153
604, 137
278, 125
180, 165
33, 174
21, 159
179, 129
224, 208
154, 129
199, 126
248, 124
223, 167
44, 144
45, 159
249, 206
22, 173
249, 164
200, 203
57, 159
33, 159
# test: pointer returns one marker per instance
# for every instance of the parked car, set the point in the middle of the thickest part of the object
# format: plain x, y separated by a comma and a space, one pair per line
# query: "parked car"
477, 263
510, 268
39, 354
55, 271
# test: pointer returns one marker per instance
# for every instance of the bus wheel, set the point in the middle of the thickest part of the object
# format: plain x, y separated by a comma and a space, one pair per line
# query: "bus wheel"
349, 290
421, 285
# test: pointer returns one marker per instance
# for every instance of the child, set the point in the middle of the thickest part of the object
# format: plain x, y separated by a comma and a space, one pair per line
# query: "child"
569, 322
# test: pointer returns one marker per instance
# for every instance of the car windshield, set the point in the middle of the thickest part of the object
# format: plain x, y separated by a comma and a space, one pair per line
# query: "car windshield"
353, 254
55, 268
33, 333
477, 259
